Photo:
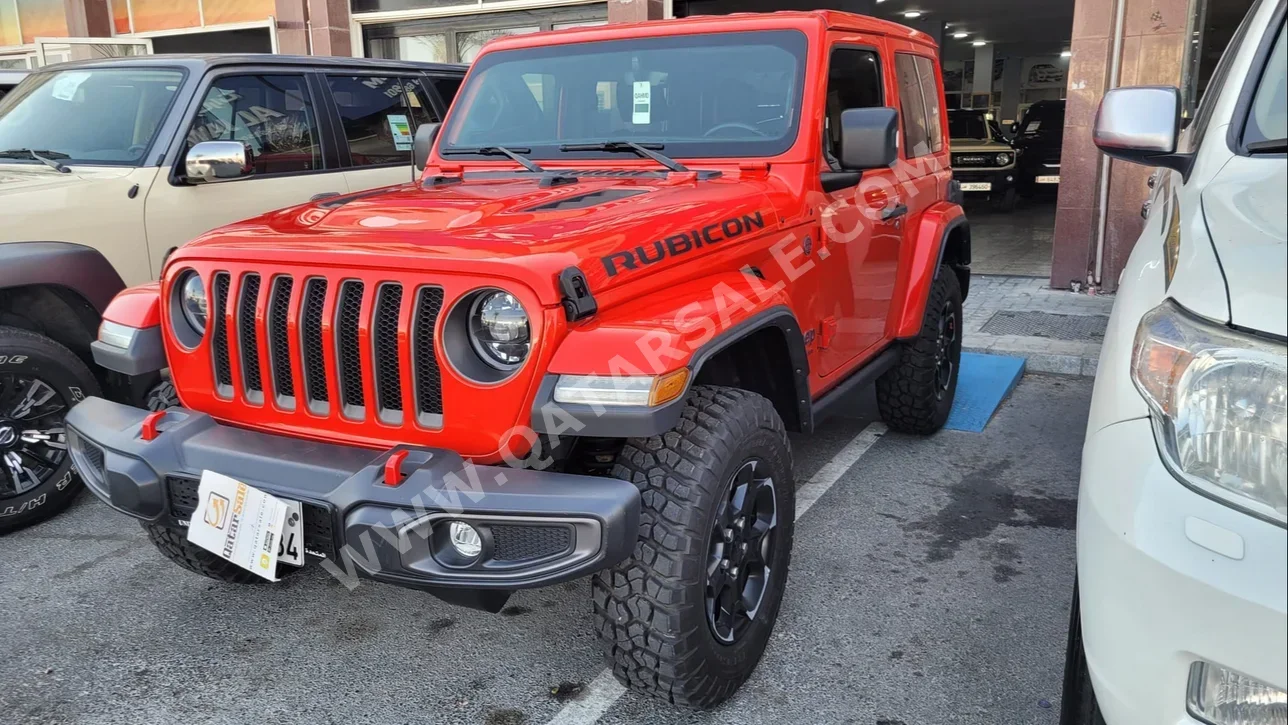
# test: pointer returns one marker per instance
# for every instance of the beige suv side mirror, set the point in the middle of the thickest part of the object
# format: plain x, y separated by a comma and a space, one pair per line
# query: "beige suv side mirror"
212, 161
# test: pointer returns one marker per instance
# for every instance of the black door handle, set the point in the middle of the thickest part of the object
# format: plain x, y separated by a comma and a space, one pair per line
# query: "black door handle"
890, 212
324, 195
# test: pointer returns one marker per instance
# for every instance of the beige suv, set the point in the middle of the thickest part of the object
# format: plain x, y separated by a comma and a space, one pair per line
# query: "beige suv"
107, 166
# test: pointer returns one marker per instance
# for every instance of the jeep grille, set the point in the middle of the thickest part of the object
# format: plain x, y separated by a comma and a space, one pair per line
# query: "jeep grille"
359, 361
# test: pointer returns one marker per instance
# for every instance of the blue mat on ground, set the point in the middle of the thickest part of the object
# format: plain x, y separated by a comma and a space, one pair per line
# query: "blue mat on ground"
983, 383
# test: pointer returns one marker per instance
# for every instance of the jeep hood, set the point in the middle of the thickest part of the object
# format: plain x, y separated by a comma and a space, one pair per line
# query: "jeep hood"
510, 227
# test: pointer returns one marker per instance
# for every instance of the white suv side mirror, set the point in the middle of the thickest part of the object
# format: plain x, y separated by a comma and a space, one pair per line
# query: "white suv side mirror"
211, 161
1142, 125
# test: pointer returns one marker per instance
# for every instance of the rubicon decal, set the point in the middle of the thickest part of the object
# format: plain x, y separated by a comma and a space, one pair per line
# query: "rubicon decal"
682, 243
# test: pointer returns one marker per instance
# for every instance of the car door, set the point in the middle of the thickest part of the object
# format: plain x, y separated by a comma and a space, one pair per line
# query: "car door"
860, 223
276, 115
377, 117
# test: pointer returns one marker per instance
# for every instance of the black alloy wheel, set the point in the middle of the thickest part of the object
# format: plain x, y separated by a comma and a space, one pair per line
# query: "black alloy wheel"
944, 349
33, 442
742, 545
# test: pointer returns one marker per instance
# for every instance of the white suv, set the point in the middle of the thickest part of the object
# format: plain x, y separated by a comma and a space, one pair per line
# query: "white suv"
1181, 608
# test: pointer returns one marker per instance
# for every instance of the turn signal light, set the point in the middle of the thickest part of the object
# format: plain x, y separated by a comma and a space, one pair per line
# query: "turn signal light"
668, 387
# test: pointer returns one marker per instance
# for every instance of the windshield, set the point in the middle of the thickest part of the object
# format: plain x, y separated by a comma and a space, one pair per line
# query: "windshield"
1043, 118
967, 125
99, 116
715, 95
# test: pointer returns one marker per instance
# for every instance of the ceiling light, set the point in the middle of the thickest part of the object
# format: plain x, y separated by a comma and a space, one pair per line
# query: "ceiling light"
980, 43
1066, 53
912, 14
959, 35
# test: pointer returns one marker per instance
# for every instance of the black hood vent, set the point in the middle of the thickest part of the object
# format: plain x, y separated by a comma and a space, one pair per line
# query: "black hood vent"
594, 198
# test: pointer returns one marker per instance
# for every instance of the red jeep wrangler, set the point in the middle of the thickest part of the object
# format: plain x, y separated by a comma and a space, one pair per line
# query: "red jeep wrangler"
637, 257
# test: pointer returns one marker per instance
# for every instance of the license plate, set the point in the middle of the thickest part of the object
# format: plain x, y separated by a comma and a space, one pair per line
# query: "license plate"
1048, 179
290, 548
977, 186
240, 523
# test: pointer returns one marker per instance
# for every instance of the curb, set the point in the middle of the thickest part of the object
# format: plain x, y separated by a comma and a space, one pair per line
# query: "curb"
1077, 366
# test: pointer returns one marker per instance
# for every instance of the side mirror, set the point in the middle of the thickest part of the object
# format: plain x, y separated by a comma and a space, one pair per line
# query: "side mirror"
869, 138
211, 161
1141, 125
426, 134
1014, 127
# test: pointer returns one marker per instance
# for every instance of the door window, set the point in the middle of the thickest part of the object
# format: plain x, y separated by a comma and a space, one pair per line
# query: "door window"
447, 87
853, 81
379, 116
919, 98
1268, 118
272, 114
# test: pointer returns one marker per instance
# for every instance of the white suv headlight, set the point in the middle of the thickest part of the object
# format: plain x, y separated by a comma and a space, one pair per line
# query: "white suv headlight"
1219, 403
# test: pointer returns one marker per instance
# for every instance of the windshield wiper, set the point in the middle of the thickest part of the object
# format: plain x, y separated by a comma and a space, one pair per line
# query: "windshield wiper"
514, 154
645, 150
1269, 146
48, 158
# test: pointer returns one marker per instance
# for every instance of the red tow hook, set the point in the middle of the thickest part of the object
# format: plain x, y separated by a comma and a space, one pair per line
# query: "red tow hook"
393, 468
150, 423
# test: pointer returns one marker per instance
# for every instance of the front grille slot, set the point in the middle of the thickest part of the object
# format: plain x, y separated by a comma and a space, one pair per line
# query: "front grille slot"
248, 338
387, 368
348, 313
429, 383
311, 344
219, 333
279, 345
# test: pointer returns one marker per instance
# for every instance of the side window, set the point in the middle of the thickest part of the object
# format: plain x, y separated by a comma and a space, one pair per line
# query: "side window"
916, 134
1268, 117
379, 116
272, 114
853, 81
930, 102
447, 88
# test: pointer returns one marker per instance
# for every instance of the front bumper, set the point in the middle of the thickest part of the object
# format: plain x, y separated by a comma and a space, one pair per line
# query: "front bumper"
1160, 585
539, 528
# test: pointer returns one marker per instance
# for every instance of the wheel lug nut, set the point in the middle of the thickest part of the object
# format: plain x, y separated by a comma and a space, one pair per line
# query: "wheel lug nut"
724, 564
733, 572
728, 534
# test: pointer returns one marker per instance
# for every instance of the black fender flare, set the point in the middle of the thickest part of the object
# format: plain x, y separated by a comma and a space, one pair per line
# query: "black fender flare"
76, 267
553, 418
962, 264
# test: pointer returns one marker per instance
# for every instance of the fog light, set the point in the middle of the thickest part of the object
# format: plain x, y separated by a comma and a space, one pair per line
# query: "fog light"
1222, 696
465, 539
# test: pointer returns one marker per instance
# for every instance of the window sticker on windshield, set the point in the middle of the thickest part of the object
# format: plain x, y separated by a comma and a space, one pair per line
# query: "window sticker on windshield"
1033, 127
401, 130
66, 84
642, 104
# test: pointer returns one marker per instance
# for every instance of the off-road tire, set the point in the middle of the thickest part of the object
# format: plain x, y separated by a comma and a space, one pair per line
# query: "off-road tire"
1077, 701
176, 547
27, 355
910, 396
650, 609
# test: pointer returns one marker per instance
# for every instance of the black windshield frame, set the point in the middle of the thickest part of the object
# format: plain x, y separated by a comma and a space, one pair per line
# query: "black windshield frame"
794, 42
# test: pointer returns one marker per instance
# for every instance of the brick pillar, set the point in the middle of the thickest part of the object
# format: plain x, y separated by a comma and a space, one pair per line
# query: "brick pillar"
88, 18
1153, 52
634, 11
292, 26
329, 23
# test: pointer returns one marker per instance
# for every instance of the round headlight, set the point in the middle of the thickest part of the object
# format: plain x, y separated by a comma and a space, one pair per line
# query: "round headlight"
1003, 159
499, 330
192, 300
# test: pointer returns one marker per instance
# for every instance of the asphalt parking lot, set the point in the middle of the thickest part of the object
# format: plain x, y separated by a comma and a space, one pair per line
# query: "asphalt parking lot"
930, 585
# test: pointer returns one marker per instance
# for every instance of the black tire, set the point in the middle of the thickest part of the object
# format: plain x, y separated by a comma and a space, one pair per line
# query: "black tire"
40, 380
176, 547
1077, 701
651, 610
916, 395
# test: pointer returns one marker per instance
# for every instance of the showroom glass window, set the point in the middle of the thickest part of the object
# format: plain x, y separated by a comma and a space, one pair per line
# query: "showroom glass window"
379, 116
106, 117
272, 114
853, 81
719, 95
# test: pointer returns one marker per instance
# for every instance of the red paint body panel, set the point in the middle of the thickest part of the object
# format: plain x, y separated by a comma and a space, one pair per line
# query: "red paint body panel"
138, 307
829, 258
